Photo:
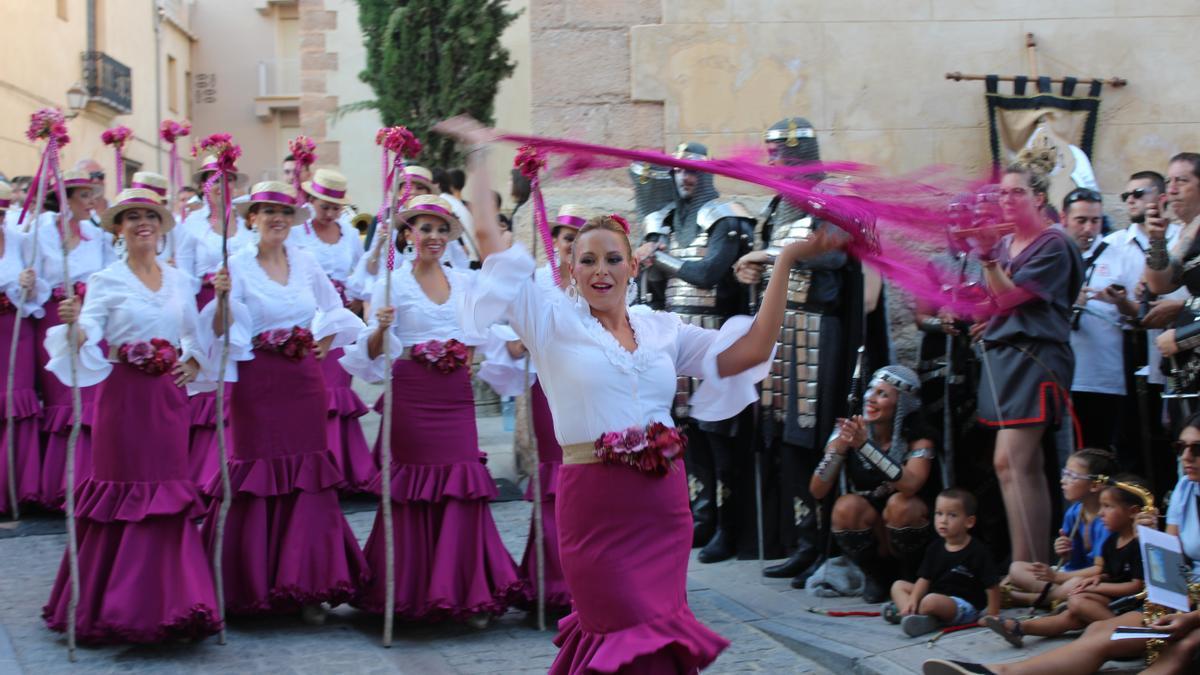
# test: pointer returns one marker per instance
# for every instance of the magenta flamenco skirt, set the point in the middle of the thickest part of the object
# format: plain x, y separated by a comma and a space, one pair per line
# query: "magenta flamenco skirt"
57, 421
625, 537
346, 438
287, 543
204, 454
549, 463
450, 561
143, 573
26, 411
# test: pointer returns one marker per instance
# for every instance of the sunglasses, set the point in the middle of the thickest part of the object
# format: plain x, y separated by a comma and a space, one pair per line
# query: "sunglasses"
1181, 447
1081, 195
96, 175
1137, 193
1068, 474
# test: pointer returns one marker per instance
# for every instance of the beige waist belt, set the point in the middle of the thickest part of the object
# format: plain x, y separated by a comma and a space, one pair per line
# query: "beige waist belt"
580, 453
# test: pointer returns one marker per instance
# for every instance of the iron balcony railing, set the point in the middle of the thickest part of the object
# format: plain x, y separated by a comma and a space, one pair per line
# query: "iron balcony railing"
108, 81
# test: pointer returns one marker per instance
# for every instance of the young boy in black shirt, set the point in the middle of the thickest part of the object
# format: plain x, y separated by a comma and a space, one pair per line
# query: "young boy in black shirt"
956, 578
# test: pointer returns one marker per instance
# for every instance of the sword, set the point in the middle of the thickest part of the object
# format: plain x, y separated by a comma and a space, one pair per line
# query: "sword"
948, 419
756, 415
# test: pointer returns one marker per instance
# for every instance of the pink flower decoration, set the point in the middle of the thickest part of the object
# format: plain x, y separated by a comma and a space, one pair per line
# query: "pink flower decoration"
48, 123
303, 150
620, 221
171, 131
529, 161
117, 136
651, 450
400, 141
223, 147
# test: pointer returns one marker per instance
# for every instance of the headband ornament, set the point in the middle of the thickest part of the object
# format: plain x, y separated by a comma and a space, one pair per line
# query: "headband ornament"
620, 221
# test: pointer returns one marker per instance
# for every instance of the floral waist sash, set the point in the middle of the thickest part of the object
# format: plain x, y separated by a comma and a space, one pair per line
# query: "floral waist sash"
155, 356
294, 343
653, 449
60, 292
446, 357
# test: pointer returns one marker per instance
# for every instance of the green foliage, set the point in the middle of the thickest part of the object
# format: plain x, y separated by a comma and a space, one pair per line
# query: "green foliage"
430, 59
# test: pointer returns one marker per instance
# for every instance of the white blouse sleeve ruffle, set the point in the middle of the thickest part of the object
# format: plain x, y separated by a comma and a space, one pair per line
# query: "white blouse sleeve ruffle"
356, 359
718, 398
32, 305
332, 317
504, 290
504, 374
92, 365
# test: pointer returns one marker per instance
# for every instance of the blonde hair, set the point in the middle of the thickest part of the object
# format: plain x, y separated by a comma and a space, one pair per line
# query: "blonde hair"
607, 223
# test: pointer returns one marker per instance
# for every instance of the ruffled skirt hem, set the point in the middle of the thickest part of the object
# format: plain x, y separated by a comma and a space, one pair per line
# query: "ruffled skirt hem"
438, 482
677, 638
283, 475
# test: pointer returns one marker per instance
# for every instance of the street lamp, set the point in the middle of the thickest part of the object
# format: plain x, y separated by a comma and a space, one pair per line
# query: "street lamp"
77, 98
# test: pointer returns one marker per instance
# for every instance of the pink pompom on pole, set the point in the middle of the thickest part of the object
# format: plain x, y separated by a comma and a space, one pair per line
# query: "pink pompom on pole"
227, 153
399, 145
304, 154
170, 132
530, 161
117, 137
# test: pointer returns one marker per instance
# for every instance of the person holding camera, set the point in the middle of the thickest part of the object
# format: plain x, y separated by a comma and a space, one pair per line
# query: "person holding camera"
1098, 318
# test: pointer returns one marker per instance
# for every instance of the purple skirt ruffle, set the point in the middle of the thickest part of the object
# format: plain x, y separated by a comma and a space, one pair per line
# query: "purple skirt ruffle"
558, 596
346, 438
144, 576
27, 410
625, 540
57, 419
287, 543
450, 560
204, 455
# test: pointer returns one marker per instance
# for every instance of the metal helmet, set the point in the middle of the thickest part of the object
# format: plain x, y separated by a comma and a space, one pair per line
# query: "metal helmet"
792, 141
653, 187
908, 386
685, 222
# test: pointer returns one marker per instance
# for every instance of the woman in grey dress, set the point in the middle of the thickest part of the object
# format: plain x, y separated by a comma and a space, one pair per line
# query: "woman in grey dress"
1033, 276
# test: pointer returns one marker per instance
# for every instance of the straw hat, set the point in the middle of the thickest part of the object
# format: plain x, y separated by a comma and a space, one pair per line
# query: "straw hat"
6, 197
573, 216
148, 180
430, 205
419, 174
76, 178
136, 198
327, 185
268, 192
207, 166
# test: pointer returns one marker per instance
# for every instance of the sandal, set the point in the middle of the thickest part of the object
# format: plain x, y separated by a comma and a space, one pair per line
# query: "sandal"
891, 613
999, 626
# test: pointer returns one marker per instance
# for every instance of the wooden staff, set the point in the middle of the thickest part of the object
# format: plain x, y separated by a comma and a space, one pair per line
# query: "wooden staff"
76, 408
385, 433
539, 534
10, 385
223, 511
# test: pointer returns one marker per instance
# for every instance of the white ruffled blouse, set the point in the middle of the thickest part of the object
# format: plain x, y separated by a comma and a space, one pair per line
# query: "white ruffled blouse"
592, 383
120, 309
258, 303
88, 257
337, 259
418, 319
18, 248
199, 252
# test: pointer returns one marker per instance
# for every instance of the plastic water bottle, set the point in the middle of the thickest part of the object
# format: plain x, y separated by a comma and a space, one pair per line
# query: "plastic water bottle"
508, 411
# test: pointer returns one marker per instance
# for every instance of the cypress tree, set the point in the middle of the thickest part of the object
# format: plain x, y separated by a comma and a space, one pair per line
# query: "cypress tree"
430, 59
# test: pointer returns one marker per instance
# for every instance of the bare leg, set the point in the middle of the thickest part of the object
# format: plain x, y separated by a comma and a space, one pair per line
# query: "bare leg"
1018, 463
1084, 655
941, 607
901, 590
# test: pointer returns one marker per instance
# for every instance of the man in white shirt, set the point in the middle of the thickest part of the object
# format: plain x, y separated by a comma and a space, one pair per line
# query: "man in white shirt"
1098, 388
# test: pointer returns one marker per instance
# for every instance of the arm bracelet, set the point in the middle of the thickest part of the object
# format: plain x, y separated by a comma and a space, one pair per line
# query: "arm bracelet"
1157, 257
830, 464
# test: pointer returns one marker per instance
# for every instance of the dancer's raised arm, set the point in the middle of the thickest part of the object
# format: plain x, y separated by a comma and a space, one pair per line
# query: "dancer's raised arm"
483, 207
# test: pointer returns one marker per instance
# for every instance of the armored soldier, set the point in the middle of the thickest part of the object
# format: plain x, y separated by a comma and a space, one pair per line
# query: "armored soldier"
694, 243
807, 388
654, 195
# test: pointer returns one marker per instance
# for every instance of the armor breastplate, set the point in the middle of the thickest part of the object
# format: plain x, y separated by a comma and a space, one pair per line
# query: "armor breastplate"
794, 370
799, 279
682, 297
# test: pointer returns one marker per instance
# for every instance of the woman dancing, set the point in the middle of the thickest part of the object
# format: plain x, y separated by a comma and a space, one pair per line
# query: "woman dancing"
450, 561
287, 545
143, 573
625, 528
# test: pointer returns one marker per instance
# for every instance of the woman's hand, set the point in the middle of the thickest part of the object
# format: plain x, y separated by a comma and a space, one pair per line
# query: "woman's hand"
68, 310
1084, 584
1147, 517
1166, 343
27, 279
852, 432
645, 253
185, 372
1043, 572
384, 316
466, 129
322, 349
749, 268
1178, 625
1062, 547
221, 283
909, 608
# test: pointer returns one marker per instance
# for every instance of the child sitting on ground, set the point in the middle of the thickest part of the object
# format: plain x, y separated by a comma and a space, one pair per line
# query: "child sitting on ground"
1120, 570
1082, 535
956, 577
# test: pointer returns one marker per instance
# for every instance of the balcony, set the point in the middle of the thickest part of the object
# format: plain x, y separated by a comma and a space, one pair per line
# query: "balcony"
108, 81
278, 86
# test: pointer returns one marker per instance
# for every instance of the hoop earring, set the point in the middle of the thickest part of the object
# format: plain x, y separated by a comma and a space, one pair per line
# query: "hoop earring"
573, 290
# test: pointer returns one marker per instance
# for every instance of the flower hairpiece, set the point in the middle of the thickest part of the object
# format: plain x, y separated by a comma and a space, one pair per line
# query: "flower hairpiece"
46, 124
117, 136
620, 220
400, 140
529, 161
303, 150
171, 131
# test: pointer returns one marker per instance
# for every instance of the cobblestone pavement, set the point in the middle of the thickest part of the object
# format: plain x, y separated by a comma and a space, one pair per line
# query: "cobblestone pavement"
348, 643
